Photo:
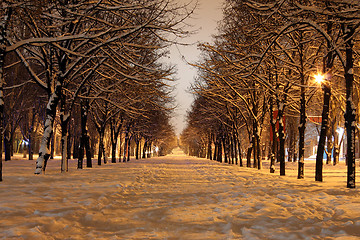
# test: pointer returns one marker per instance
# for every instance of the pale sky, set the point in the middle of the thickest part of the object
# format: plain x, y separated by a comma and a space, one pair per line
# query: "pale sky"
205, 21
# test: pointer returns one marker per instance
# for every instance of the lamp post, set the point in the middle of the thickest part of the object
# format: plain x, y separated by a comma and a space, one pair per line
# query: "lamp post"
323, 80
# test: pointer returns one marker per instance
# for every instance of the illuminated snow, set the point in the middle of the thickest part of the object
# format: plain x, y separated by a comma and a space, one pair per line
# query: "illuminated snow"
176, 197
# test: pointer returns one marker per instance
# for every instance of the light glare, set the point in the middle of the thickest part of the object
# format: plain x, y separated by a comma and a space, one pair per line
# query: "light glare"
319, 78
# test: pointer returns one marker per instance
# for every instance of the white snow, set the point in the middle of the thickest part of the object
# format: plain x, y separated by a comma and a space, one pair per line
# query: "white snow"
176, 197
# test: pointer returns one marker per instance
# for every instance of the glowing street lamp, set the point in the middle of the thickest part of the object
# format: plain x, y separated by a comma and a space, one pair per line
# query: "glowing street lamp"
319, 78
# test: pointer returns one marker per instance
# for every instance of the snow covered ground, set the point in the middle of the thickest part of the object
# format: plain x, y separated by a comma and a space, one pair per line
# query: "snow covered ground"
176, 197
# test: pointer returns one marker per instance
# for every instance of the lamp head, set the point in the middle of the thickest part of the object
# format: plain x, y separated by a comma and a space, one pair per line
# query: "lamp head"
319, 78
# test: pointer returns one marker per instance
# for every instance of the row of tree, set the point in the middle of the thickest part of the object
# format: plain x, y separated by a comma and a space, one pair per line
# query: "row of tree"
84, 58
259, 74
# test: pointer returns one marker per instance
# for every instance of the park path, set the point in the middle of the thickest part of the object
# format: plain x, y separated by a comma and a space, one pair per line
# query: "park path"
172, 197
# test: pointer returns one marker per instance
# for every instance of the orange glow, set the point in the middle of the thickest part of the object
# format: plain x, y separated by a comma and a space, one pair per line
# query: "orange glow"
319, 78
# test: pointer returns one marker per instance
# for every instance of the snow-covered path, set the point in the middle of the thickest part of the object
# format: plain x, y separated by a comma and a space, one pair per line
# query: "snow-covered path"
173, 197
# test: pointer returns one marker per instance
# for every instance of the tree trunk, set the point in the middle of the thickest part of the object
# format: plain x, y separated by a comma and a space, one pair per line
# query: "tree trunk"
84, 138
328, 150
225, 149
302, 127
64, 121
104, 152
83, 122
254, 148
302, 123
240, 156
128, 150
323, 132
231, 145
101, 146
350, 114
336, 148
281, 139
44, 152
113, 151
291, 149
248, 157
274, 139
30, 147
77, 148
7, 143
140, 149
113, 143
2, 56
70, 142
1, 142
12, 135
327, 65
64, 141
52, 146
88, 152
273, 133
144, 149
120, 146
258, 150
31, 135
329, 142
64, 155
81, 153
3, 38
215, 150
137, 141
125, 144
240, 152
149, 150
115, 131
235, 147
219, 152
11, 145
209, 150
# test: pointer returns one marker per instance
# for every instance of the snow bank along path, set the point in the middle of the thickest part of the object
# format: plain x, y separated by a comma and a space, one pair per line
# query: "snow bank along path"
174, 197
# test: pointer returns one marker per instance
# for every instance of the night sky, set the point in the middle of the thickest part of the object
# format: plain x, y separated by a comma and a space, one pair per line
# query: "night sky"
204, 21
